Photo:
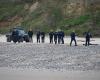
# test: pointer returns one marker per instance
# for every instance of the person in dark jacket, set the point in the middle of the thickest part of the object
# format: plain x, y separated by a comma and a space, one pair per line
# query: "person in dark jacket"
51, 34
55, 37
62, 37
38, 36
73, 35
43, 37
59, 37
88, 36
30, 34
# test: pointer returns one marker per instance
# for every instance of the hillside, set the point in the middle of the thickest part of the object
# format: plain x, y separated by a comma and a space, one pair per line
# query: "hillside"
80, 15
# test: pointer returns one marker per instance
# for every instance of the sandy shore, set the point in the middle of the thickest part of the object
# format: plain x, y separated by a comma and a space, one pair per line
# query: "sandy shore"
28, 61
80, 40
9, 74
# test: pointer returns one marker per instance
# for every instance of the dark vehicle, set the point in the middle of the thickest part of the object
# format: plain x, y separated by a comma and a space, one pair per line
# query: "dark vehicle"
17, 35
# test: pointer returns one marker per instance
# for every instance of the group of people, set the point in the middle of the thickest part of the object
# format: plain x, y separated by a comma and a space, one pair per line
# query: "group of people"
87, 37
58, 37
39, 35
54, 37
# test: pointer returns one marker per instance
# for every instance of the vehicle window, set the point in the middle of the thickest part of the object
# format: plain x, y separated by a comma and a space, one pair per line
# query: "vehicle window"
21, 32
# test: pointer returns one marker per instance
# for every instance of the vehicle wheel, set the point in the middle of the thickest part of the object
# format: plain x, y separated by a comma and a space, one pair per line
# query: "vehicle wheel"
27, 39
8, 39
15, 39
21, 40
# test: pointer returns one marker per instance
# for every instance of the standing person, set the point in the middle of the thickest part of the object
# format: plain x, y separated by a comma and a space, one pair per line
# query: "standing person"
59, 37
43, 37
55, 37
51, 34
30, 33
73, 35
88, 36
38, 36
62, 36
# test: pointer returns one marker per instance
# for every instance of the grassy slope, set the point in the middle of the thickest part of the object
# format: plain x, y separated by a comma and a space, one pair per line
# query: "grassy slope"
9, 10
47, 17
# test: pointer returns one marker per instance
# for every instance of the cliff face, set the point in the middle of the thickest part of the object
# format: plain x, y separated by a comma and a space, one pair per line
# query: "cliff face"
65, 8
50, 14
71, 7
79, 7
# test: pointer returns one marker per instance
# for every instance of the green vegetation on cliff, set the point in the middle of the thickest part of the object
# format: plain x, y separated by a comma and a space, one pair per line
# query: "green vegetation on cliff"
50, 14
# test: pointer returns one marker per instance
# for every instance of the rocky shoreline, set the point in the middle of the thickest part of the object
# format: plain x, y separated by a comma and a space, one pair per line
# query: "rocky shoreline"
49, 57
